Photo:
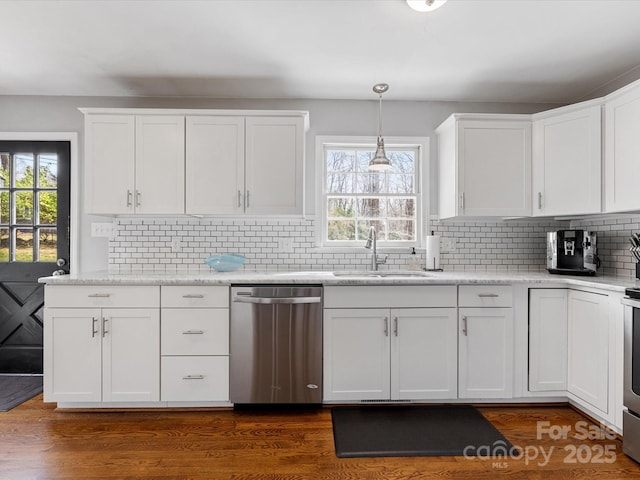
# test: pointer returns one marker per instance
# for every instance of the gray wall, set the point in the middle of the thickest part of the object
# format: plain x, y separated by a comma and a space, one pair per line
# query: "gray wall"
327, 117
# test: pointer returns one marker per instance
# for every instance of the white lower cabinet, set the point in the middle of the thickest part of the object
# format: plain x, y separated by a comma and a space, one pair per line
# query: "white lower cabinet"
588, 334
548, 340
389, 354
102, 355
195, 344
485, 368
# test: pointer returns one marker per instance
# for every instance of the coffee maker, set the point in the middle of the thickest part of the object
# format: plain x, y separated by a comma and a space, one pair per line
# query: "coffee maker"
572, 252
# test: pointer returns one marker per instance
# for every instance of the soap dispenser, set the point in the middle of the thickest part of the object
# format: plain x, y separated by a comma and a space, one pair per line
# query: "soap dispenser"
413, 263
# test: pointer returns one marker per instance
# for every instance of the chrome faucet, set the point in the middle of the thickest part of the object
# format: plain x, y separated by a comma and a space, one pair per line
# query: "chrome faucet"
372, 244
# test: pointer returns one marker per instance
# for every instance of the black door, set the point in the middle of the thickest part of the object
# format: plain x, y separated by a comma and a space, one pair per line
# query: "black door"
34, 240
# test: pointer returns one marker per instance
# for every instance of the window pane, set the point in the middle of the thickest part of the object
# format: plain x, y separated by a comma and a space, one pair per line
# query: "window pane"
24, 169
400, 183
340, 207
48, 251
401, 207
4, 208
4, 244
363, 160
402, 162
48, 208
371, 183
24, 245
341, 230
371, 207
48, 176
24, 208
401, 230
5, 170
341, 160
363, 229
340, 183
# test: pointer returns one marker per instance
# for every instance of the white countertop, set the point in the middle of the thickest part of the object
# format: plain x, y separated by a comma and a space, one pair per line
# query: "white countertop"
327, 278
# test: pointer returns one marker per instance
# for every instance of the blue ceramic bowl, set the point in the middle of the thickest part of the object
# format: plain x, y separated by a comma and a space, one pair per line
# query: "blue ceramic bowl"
225, 262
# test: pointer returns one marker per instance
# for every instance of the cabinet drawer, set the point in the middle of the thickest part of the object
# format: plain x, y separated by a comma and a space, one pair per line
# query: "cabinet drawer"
410, 296
82, 296
195, 296
485, 296
194, 331
195, 379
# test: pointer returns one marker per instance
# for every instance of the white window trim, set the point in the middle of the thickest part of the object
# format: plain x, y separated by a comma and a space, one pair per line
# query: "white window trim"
422, 180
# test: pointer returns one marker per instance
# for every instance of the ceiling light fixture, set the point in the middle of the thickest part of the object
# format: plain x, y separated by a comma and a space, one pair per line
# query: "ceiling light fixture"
380, 162
425, 5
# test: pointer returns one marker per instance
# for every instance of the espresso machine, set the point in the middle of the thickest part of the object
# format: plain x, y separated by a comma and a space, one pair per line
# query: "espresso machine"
572, 252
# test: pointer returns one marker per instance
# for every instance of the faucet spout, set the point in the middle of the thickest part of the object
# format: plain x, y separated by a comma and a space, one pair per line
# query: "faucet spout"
373, 245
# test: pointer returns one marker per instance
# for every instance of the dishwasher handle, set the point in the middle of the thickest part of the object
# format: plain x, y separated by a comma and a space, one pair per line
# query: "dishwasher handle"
276, 300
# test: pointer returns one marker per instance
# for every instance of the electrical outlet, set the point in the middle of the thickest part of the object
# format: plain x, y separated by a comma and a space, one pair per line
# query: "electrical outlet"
101, 229
176, 244
447, 245
285, 244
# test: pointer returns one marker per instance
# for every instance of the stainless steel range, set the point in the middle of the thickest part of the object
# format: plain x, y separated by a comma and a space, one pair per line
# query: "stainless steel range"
631, 417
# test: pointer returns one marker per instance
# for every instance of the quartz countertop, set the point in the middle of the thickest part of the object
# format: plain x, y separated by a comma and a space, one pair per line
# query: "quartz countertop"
327, 278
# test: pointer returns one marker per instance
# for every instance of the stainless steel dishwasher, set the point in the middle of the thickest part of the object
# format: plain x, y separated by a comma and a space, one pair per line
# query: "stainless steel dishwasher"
276, 344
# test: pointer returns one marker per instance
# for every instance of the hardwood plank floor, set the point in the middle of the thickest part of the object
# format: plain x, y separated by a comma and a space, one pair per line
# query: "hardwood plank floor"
39, 442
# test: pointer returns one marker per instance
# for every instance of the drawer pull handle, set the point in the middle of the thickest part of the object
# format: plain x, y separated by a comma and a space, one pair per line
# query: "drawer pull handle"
104, 327
488, 295
464, 325
193, 332
99, 295
193, 377
94, 327
192, 295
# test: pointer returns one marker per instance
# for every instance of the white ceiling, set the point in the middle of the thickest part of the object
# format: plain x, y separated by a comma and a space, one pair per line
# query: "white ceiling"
556, 51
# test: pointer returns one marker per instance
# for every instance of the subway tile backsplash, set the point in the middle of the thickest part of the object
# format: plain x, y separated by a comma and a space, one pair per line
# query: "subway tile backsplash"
166, 245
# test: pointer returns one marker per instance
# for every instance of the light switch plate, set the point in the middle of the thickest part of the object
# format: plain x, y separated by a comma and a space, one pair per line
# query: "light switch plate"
101, 229
285, 244
447, 245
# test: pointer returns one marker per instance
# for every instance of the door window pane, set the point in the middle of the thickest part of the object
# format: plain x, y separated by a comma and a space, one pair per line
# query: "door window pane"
4, 207
47, 207
24, 208
5, 170
24, 245
48, 175
24, 169
4, 244
48, 246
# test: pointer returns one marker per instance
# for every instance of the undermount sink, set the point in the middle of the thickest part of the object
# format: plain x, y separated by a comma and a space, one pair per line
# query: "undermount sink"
380, 274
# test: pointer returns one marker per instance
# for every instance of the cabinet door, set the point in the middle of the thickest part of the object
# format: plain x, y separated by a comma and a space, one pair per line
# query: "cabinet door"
72, 355
214, 165
567, 163
356, 354
486, 353
131, 355
274, 179
547, 339
159, 164
622, 151
589, 348
109, 164
494, 168
424, 353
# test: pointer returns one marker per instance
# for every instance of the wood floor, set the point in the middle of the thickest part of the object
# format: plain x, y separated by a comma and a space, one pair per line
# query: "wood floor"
39, 442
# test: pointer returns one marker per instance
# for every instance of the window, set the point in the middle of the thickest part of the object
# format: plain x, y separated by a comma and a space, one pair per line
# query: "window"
355, 198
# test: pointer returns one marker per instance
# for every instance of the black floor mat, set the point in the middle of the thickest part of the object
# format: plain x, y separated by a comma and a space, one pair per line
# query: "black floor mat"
15, 389
417, 430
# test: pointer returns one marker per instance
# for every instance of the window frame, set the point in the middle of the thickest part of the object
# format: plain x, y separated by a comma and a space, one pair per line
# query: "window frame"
420, 144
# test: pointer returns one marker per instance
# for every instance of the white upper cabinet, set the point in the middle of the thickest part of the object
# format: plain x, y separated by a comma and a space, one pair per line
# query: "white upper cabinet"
622, 149
484, 165
567, 160
252, 165
134, 164
274, 175
215, 164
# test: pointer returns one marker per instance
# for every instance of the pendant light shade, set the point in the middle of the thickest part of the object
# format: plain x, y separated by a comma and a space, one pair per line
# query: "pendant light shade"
380, 162
425, 5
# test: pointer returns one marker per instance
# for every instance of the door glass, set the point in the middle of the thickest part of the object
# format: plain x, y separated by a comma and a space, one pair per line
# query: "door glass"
29, 206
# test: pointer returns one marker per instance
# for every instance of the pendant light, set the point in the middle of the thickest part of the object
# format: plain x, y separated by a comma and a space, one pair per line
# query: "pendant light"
380, 162
425, 5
